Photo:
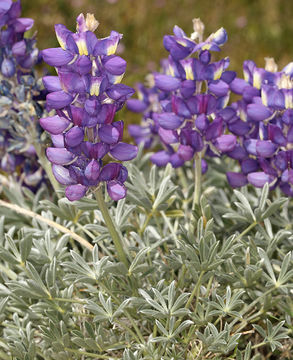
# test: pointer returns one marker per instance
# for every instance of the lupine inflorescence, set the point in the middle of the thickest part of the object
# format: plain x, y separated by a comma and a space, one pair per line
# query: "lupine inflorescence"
263, 122
86, 94
19, 90
183, 108
186, 109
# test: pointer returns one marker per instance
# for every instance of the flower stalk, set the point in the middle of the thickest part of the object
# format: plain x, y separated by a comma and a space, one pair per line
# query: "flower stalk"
197, 180
111, 227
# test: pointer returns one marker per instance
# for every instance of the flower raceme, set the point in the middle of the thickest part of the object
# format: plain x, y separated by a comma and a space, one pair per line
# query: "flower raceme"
263, 122
86, 94
185, 110
18, 90
184, 106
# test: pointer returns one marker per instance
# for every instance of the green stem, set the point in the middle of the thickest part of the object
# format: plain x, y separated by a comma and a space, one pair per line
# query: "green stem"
250, 306
74, 301
251, 226
129, 317
168, 222
195, 292
125, 327
139, 334
81, 353
147, 219
197, 180
111, 227
182, 178
253, 317
258, 345
49, 222
209, 285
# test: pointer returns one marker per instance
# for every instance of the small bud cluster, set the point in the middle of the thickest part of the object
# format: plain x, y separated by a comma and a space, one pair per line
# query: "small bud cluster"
86, 94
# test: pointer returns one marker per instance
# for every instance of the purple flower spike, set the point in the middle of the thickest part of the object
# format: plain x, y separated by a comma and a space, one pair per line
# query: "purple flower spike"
116, 190
263, 123
182, 105
236, 179
75, 192
86, 94
259, 179
225, 143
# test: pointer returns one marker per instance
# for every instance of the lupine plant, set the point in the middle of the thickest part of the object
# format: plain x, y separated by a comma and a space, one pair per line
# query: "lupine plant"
152, 268
184, 108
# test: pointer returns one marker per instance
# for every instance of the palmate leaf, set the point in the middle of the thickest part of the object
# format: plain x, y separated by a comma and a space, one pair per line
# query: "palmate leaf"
273, 334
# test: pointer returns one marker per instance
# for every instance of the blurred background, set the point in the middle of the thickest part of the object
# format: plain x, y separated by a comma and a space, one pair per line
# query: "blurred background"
256, 28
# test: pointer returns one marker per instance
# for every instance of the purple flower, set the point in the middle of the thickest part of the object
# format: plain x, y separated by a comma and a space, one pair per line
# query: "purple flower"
263, 123
86, 94
182, 103
21, 93
236, 179
259, 179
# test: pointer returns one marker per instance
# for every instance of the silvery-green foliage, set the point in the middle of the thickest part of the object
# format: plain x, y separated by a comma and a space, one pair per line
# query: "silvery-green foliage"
213, 283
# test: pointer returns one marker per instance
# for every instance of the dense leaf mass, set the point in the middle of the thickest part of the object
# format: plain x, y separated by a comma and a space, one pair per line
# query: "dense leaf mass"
205, 284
